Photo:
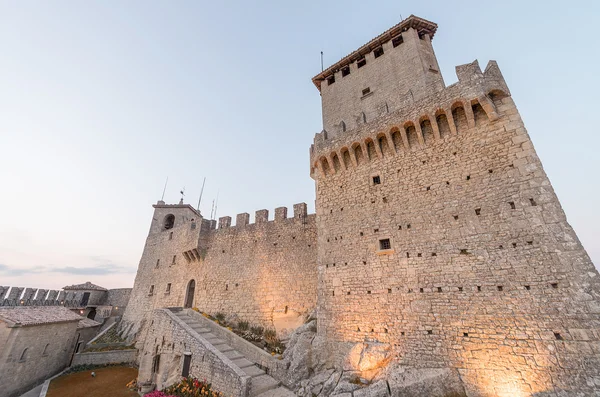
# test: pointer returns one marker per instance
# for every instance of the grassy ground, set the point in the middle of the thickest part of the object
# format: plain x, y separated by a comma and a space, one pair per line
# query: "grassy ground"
109, 381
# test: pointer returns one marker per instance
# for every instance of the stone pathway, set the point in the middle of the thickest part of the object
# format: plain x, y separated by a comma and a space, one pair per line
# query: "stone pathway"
262, 385
35, 392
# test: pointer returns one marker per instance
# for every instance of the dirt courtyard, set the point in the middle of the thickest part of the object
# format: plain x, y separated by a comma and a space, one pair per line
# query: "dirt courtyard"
109, 381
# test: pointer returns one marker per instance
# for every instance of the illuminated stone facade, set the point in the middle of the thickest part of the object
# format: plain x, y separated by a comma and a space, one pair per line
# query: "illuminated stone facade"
439, 232
438, 240
264, 272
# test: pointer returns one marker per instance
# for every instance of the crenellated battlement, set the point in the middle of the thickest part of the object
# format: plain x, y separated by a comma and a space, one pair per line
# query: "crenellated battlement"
404, 130
21, 296
262, 217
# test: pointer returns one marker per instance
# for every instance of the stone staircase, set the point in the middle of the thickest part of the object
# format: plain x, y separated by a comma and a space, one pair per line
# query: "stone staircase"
262, 384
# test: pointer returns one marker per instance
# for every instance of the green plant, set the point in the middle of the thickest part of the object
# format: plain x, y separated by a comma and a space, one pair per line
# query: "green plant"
257, 330
220, 317
270, 336
243, 325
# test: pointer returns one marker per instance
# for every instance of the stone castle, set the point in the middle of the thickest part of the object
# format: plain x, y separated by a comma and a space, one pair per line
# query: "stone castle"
438, 241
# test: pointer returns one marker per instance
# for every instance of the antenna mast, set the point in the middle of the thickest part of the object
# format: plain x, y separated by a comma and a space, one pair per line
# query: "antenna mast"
201, 191
216, 203
321, 61
164, 190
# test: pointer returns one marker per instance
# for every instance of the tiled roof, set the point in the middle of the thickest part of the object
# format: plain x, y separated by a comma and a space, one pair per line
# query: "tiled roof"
85, 286
87, 323
32, 315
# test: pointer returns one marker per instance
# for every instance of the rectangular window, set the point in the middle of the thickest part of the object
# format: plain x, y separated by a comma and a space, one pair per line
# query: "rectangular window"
171, 236
396, 41
330, 80
376, 180
361, 62
385, 244
187, 360
366, 91
345, 71
151, 290
157, 262
174, 258
378, 52
168, 290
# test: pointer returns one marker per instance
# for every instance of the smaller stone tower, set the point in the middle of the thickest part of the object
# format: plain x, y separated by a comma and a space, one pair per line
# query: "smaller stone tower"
174, 235
365, 84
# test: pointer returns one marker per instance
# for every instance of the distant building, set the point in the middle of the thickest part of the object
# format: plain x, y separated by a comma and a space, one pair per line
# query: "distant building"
36, 343
88, 299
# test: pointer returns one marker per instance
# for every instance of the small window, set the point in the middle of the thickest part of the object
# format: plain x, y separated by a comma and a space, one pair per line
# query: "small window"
385, 244
366, 91
169, 222
23, 355
330, 80
171, 236
396, 41
174, 259
168, 290
376, 180
151, 290
45, 352
361, 62
378, 52
345, 71
422, 36
157, 262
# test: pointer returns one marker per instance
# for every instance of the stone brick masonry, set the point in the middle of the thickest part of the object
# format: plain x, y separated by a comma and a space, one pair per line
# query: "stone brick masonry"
437, 234
260, 272
440, 234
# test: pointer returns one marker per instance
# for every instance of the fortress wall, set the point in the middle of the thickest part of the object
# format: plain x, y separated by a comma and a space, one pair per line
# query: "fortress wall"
257, 271
254, 271
484, 273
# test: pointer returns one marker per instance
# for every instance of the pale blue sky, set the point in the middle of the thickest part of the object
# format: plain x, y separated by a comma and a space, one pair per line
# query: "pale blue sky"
101, 101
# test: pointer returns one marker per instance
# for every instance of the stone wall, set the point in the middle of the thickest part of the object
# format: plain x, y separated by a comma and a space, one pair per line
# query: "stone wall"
448, 243
169, 338
49, 348
107, 357
260, 272
403, 73
118, 298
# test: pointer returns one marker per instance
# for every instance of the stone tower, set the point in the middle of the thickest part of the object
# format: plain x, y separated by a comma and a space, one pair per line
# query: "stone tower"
440, 238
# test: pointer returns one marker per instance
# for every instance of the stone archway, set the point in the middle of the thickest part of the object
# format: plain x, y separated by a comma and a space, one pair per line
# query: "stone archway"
189, 295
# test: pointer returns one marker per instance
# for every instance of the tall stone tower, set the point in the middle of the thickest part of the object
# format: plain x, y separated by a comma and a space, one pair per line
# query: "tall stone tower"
440, 238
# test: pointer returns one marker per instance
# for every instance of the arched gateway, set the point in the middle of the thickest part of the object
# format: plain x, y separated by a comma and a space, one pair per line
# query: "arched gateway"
189, 296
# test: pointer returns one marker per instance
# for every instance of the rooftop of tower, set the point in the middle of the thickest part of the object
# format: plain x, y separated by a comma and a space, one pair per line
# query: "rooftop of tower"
423, 26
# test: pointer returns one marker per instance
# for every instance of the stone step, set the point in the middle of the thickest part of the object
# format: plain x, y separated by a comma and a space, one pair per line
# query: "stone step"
242, 362
213, 340
253, 371
223, 348
199, 329
233, 354
261, 384
279, 392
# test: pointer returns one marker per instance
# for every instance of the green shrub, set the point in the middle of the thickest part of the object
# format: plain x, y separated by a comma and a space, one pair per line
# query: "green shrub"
220, 317
257, 330
243, 325
270, 336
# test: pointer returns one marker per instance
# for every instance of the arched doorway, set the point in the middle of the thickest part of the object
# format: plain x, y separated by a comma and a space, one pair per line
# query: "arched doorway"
92, 314
189, 296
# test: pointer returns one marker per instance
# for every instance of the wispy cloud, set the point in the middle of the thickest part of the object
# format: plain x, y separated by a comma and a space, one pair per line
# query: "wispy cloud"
100, 269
